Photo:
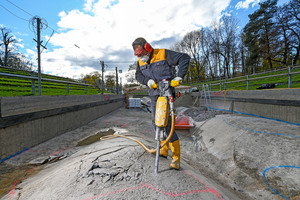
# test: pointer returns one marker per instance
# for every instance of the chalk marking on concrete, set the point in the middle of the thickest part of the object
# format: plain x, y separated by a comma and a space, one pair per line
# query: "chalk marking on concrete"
144, 185
280, 134
26, 149
208, 188
264, 173
11, 192
60, 151
242, 113
114, 192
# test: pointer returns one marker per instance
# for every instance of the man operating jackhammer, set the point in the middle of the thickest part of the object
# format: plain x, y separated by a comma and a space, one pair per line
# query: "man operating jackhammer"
155, 65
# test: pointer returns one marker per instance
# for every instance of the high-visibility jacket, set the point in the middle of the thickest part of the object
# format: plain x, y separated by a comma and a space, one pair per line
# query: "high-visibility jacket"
160, 66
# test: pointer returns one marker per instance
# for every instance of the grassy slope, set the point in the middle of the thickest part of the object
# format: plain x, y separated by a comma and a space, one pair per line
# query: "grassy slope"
22, 87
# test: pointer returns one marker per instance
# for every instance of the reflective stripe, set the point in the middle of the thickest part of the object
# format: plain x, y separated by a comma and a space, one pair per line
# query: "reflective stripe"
158, 55
157, 70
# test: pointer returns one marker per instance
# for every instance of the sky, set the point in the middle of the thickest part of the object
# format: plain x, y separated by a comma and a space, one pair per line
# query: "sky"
78, 34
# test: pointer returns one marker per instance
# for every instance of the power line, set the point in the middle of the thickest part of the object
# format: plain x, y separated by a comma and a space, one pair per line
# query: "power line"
19, 8
47, 41
13, 13
77, 46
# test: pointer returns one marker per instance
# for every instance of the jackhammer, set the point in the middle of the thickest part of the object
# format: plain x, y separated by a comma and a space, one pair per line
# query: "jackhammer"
164, 108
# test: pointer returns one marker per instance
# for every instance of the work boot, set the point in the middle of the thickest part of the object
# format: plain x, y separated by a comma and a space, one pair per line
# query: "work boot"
164, 150
175, 148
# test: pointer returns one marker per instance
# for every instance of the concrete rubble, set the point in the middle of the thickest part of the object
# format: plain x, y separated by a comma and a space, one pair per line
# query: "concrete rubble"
224, 156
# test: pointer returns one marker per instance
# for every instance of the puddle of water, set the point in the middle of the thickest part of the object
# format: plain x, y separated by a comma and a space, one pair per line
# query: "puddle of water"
95, 138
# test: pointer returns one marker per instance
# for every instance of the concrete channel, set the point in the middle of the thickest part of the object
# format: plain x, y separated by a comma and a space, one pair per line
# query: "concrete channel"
234, 151
28, 121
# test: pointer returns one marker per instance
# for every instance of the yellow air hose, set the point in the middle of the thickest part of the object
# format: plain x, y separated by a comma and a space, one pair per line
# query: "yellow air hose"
108, 137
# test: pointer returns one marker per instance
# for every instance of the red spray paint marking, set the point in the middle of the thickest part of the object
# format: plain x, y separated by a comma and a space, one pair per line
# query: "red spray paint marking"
208, 188
123, 125
174, 194
143, 185
36, 151
114, 192
116, 123
60, 151
11, 192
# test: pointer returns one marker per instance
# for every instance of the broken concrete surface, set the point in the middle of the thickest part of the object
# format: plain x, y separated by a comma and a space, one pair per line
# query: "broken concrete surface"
237, 150
222, 158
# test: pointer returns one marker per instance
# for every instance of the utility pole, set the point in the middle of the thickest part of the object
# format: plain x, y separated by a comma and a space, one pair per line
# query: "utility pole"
36, 22
117, 80
38, 27
102, 64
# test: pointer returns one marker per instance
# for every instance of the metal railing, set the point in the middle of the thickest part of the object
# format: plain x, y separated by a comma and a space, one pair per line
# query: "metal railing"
33, 79
290, 74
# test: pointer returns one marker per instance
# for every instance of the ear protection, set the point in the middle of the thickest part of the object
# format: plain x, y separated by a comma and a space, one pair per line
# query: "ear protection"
148, 47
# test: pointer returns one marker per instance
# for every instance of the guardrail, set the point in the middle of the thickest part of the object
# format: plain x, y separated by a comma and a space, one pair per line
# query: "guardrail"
248, 79
33, 79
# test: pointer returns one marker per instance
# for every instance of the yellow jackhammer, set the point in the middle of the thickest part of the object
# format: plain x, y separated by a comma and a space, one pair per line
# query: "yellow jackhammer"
164, 106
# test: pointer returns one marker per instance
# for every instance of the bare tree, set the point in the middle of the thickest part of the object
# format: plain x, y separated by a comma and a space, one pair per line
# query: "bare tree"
191, 44
130, 75
224, 42
243, 55
195, 43
110, 81
7, 44
292, 10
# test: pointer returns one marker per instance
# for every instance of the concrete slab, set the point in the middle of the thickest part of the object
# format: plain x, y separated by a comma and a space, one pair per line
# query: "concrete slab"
223, 157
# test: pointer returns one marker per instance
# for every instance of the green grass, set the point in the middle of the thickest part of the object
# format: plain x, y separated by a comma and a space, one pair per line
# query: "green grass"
10, 86
280, 81
22, 87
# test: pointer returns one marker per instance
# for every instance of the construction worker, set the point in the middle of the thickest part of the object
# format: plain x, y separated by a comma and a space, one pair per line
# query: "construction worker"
155, 65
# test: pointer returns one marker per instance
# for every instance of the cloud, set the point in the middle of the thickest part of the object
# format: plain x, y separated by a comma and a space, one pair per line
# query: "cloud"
246, 4
105, 29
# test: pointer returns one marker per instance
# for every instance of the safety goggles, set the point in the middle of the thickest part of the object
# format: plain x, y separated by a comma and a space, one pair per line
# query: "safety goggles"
138, 53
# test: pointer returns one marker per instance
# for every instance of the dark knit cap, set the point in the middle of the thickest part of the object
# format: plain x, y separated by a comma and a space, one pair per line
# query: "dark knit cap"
139, 41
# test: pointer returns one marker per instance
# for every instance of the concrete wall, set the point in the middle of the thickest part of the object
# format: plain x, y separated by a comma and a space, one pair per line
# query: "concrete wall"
28, 121
278, 104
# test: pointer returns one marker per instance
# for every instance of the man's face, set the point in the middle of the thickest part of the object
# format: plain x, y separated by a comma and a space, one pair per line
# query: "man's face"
139, 51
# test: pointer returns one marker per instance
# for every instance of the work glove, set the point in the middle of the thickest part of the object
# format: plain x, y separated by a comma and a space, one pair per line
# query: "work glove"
151, 84
176, 81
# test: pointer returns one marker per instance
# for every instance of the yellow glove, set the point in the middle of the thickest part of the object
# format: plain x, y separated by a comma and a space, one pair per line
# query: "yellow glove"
151, 84
176, 81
